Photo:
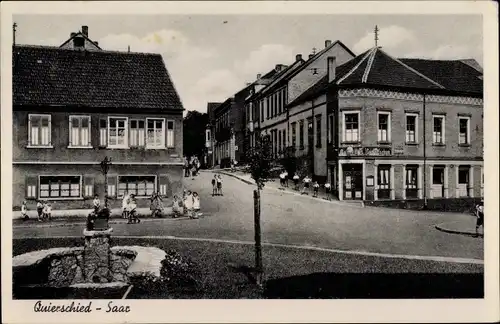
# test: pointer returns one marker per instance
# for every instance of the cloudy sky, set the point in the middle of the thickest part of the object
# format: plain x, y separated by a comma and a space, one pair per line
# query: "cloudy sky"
210, 57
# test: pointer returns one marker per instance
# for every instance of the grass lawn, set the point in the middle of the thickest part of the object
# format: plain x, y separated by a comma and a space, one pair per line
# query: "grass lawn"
295, 273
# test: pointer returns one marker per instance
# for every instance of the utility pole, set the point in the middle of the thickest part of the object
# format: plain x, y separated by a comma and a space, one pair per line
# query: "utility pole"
14, 26
105, 168
376, 35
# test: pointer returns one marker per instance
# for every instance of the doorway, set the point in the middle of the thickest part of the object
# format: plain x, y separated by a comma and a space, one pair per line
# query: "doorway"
353, 181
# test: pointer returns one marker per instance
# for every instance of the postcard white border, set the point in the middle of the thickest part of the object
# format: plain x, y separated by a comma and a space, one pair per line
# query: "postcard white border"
266, 310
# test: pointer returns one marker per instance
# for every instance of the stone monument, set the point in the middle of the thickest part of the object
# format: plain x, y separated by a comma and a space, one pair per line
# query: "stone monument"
97, 248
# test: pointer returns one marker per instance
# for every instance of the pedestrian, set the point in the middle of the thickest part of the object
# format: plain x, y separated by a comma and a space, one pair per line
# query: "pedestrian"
480, 216
214, 185
193, 171
219, 185
176, 208
39, 210
125, 203
132, 210
156, 206
188, 203
24, 211
328, 189
196, 205
296, 181
286, 178
97, 204
282, 180
316, 188
47, 211
305, 188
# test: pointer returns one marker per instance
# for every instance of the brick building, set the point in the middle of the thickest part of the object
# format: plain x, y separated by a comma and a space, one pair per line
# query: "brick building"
72, 107
396, 129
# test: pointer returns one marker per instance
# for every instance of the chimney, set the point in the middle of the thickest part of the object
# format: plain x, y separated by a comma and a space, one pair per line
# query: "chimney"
328, 43
332, 66
279, 67
311, 56
298, 57
72, 34
96, 43
85, 30
259, 76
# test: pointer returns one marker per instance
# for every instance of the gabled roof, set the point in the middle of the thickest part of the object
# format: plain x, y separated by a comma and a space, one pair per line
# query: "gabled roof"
379, 68
46, 76
80, 34
455, 75
282, 76
376, 68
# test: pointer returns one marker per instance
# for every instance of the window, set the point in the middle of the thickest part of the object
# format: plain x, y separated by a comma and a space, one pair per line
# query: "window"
411, 180
438, 130
318, 131
463, 175
383, 181
103, 131
261, 104
330, 129
137, 133
156, 133
279, 142
79, 42
294, 134
280, 102
79, 134
463, 124
438, 176
55, 187
276, 107
39, 130
384, 126
88, 186
31, 185
351, 127
170, 134
301, 134
207, 135
139, 186
411, 128
117, 133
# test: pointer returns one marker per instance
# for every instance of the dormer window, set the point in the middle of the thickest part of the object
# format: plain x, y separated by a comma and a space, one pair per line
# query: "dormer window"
79, 42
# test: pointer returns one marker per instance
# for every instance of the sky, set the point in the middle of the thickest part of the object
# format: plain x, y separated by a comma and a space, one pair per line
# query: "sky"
211, 57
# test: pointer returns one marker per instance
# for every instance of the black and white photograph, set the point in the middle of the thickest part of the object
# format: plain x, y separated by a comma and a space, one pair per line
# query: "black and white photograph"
236, 155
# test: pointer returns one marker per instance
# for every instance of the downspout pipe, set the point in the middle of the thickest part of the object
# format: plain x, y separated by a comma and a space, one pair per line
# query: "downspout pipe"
425, 155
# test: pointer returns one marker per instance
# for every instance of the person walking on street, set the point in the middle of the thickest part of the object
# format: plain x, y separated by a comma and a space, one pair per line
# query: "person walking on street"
196, 205
214, 185
480, 216
125, 203
282, 180
39, 210
305, 188
286, 178
328, 189
296, 181
188, 203
316, 188
219, 185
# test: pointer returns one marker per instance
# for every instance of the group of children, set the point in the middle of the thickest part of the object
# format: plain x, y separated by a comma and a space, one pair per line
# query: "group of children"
43, 208
189, 205
217, 185
306, 181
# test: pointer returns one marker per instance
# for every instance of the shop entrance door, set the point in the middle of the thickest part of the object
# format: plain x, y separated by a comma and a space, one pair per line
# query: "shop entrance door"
353, 181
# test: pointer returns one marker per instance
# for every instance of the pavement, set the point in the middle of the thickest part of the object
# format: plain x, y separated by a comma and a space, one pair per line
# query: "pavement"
463, 227
83, 213
288, 218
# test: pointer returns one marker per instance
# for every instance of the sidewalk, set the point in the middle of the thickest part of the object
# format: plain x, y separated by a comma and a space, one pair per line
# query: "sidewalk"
116, 213
275, 185
464, 227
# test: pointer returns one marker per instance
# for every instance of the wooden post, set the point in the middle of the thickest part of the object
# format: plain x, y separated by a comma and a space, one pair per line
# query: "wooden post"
258, 245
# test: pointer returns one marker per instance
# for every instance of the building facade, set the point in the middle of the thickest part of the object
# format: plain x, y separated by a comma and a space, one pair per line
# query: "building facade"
72, 108
403, 129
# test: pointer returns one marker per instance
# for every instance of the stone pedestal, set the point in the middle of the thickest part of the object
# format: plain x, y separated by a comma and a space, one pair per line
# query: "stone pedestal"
96, 256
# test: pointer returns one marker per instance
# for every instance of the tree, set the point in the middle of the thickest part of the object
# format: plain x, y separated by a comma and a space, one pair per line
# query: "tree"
194, 125
260, 163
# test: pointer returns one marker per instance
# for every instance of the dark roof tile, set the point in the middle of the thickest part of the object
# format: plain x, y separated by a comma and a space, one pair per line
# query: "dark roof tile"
53, 76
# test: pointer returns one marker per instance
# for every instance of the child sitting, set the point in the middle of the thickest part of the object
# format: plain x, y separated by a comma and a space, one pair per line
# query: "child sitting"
24, 211
188, 203
47, 211
132, 209
196, 205
97, 204
39, 210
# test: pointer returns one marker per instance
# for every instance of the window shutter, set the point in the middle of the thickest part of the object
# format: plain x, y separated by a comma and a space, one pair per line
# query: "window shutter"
164, 186
88, 186
31, 187
29, 130
70, 131
112, 183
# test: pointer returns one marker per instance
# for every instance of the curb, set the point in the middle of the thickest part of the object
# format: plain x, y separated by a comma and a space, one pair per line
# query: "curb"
440, 227
361, 204
64, 224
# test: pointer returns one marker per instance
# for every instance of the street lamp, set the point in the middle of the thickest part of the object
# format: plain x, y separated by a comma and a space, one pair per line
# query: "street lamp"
105, 168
